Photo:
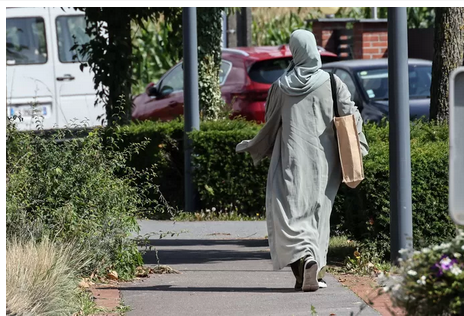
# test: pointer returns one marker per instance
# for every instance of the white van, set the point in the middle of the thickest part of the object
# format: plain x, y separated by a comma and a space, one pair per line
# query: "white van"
41, 73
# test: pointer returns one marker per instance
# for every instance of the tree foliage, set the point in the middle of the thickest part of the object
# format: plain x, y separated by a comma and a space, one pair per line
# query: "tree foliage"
418, 17
110, 53
113, 61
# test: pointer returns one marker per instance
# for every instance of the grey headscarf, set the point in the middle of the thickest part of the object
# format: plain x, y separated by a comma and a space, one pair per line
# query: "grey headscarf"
303, 75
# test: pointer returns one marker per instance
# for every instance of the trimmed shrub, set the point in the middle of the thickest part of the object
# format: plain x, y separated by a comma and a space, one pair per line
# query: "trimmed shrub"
364, 213
164, 152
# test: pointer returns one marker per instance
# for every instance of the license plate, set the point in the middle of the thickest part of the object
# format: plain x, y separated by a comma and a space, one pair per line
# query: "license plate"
29, 111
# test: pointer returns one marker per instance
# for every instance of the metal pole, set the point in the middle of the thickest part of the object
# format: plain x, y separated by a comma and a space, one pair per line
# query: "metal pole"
400, 146
191, 107
224, 29
374, 13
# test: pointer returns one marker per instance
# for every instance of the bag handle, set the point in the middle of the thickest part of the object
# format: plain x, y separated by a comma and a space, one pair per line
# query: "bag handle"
333, 85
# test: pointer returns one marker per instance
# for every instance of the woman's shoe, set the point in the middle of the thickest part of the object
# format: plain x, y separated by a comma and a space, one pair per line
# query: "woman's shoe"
310, 283
322, 284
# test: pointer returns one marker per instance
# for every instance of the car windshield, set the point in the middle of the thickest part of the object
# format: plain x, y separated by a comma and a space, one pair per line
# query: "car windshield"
375, 82
268, 71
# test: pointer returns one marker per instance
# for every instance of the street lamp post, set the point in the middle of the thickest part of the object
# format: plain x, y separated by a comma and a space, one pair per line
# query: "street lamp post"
191, 106
400, 146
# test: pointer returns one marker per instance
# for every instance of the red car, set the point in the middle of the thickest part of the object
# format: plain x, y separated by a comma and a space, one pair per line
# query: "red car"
245, 78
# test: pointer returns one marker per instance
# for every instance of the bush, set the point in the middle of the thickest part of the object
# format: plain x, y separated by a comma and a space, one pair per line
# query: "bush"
69, 190
431, 281
229, 182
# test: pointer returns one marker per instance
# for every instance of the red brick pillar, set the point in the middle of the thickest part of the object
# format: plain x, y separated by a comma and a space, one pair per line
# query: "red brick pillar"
323, 31
370, 39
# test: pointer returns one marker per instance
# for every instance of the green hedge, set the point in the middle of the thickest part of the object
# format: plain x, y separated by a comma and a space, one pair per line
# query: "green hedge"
229, 181
164, 152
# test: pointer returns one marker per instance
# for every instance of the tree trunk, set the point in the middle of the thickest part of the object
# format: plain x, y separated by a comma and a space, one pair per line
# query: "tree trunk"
209, 27
119, 108
448, 55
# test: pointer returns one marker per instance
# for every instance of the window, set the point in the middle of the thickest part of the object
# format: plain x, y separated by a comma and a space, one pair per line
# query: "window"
375, 82
348, 80
70, 31
174, 81
268, 71
226, 66
25, 41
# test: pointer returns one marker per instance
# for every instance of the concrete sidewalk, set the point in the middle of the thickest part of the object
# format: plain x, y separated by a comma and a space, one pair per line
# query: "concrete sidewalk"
225, 273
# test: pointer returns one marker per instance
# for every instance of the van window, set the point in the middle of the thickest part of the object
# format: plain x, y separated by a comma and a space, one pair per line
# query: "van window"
70, 30
25, 41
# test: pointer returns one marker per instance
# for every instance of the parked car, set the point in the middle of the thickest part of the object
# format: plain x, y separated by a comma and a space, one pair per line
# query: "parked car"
246, 75
42, 78
367, 80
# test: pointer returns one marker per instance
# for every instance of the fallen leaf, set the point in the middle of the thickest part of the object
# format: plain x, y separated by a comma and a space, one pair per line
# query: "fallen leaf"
112, 275
84, 284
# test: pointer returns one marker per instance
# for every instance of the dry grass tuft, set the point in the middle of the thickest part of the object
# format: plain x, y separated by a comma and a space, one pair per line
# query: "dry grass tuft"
41, 277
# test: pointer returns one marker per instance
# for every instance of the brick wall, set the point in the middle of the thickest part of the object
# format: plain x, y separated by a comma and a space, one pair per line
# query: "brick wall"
324, 30
370, 39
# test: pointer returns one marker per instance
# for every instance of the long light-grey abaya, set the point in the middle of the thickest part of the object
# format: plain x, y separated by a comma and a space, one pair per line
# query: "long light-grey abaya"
304, 173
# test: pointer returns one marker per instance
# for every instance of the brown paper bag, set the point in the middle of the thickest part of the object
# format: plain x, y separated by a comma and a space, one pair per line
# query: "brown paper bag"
349, 147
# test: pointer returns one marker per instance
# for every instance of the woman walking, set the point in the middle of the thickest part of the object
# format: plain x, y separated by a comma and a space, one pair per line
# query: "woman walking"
305, 173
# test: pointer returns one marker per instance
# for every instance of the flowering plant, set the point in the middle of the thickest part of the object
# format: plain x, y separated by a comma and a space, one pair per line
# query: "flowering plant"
431, 281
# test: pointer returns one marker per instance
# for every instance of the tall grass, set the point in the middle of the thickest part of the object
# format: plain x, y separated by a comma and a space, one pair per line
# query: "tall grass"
42, 277
273, 26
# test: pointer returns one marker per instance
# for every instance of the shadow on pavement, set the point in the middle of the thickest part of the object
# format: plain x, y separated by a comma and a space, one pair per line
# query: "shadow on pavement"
190, 256
169, 288
193, 251
206, 242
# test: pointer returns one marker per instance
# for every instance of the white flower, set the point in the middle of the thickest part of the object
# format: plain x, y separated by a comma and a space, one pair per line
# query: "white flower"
403, 251
421, 281
462, 247
445, 261
208, 210
426, 250
213, 209
457, 255
412, 272
417, 253
456, 270
386, 289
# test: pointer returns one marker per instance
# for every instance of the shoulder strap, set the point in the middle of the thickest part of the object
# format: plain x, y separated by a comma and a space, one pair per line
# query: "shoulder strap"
333, 85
